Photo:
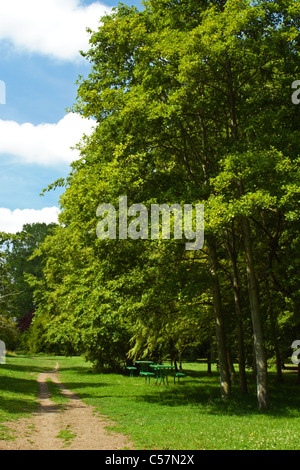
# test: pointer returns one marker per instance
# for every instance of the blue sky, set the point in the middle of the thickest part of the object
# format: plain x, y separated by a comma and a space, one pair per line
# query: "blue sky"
39, 65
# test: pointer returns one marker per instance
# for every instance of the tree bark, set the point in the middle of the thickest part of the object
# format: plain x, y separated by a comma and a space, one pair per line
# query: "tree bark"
238, 312
231, 368
220, 331
258, 341
261, 364
274, 335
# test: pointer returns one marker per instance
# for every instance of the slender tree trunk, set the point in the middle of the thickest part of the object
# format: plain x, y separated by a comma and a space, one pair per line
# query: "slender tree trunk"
180, 360
209, 363
238, 311
260, 358
231, 368
274, 335
240, 336
278, 363
254, 369
261, 364
217, 302
220, 331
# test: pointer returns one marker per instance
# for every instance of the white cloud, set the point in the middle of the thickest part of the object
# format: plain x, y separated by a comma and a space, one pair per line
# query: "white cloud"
52, 27
13, 221
44, 144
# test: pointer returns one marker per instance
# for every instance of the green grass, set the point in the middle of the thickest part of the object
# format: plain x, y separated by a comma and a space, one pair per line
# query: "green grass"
66, 435
55, 393
188, 415
19, 387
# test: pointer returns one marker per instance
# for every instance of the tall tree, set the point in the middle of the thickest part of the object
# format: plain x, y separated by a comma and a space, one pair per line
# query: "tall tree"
189, 99
19, 263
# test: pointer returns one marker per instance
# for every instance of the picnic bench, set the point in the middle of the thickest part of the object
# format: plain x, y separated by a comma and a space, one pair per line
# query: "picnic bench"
161, 372
178, 375
131, 370
144, 369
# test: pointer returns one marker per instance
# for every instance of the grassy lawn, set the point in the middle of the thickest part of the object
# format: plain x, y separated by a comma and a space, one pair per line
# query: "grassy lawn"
19, 388
188, 415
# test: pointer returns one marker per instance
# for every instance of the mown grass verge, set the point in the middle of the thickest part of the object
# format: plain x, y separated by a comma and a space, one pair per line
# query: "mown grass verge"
188, 415
19, 387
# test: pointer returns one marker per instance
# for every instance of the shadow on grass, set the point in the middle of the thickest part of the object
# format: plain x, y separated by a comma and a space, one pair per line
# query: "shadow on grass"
18, 384
197, 389
20, 368
14, 406
201, 390
87, 389
17, 395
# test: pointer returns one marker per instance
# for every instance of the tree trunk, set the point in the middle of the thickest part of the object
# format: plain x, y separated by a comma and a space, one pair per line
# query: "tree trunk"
220, 331
278, 363
209, 359
274, 335
260, 359
238, 312
261, 365
231, 368
208, 365
180, 360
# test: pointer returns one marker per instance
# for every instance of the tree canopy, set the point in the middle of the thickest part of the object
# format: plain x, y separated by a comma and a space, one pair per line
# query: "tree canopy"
192, 104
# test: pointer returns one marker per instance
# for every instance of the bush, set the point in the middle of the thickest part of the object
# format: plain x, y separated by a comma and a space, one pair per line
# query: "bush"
8, 332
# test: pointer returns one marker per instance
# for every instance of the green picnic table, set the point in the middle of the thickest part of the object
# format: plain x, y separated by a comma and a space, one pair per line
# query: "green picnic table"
144, 369
161, 372
131, 370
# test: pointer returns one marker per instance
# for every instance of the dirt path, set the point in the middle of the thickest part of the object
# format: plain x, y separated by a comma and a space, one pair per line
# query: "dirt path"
77, 424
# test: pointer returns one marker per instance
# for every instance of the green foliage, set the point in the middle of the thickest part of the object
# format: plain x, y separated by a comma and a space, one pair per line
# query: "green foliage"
19, 262
192, 103
8, 332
